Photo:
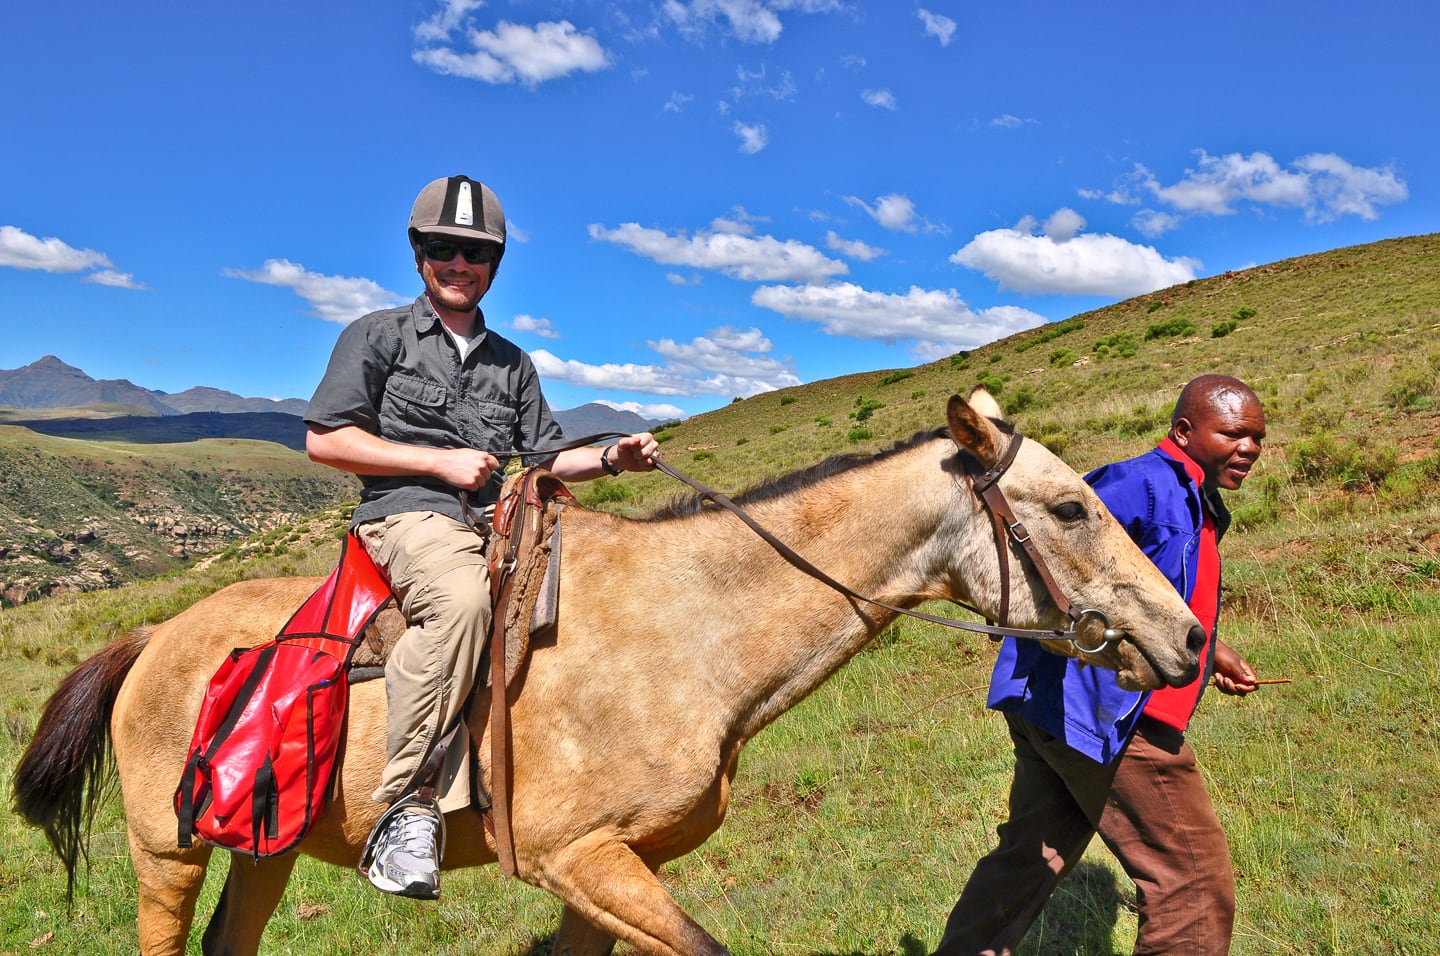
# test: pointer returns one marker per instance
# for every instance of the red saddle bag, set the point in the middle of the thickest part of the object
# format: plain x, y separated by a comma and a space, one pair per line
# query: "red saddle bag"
263, 753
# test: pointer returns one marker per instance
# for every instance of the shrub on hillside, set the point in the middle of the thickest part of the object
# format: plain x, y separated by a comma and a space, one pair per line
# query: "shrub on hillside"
1022, 399
1050, 334
1119, 345
602, 491
1354, 464
1170, 328
994, 384
1411, 387
865, 407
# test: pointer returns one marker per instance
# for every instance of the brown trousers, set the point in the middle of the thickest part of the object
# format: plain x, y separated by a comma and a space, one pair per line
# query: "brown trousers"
436, 566
1150, 808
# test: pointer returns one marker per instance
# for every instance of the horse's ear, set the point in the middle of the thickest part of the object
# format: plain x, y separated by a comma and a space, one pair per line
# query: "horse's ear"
983, 402
971, 427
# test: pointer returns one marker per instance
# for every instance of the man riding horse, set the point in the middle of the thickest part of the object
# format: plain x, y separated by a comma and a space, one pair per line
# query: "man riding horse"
421, 402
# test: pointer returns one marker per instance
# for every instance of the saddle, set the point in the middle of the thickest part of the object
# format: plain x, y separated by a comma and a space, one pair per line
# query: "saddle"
524, 558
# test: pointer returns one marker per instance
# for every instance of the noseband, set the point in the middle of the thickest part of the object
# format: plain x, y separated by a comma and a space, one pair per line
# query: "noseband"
987, 487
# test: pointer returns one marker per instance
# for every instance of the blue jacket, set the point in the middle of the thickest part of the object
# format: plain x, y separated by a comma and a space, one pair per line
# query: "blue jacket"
1161, 508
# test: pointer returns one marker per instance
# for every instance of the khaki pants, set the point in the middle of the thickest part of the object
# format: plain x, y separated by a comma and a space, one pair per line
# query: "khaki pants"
436, 566
1150, 808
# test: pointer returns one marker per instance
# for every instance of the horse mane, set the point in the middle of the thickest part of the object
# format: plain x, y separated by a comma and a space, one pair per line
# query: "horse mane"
788, 484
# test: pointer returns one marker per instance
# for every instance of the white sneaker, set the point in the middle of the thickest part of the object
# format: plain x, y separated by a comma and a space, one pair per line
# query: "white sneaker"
407, 857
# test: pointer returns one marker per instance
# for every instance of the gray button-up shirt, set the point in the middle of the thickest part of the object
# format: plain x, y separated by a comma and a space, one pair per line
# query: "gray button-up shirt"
396, 374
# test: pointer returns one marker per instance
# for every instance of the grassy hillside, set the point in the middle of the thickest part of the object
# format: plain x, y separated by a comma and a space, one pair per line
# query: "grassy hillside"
857, 816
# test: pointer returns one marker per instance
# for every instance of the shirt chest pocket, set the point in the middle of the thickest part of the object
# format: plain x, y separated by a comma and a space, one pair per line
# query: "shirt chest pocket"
413, 403
494, 423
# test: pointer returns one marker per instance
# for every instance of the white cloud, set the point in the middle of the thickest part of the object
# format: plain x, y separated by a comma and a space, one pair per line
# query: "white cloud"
1064, 224
1064, 263
650, 379
116, 280
333, 298
1341, 189
882, 98
894, 211
853, 248
1322, 185
752, 83
741, 223
752, 138
451, 15
929, 319
20, 250
727, 361
732, 352
1152, 222
516, 52
1006, 121
750, 21
750, 258
652, 411
677, 102
938, 26
529, 323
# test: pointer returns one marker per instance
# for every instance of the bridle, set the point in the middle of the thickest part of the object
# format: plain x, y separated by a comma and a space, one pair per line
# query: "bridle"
986, 485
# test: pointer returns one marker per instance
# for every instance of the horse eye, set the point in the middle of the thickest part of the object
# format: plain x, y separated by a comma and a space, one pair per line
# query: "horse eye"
1070, 511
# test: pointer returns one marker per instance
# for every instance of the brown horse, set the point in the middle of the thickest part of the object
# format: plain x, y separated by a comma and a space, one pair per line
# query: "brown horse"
616, 772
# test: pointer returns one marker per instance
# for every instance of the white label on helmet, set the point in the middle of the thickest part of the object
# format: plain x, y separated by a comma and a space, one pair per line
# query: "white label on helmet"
464, 207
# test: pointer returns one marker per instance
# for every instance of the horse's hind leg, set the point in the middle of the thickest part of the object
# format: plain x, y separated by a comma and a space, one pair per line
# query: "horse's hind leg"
604, 883
577, 936
168, 889
252, 891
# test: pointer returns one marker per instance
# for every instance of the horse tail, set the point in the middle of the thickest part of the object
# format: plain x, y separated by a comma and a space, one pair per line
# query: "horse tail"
65, 775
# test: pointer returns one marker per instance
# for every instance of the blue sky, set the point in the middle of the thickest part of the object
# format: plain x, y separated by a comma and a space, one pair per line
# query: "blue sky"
706, 198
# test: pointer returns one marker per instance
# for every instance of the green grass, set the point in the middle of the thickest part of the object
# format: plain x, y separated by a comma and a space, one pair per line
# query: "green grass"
858, 815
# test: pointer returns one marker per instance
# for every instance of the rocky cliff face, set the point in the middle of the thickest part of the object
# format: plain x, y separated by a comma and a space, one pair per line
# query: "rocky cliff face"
79, 516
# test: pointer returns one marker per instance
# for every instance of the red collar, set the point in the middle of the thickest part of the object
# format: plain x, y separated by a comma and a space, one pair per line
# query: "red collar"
1196, 473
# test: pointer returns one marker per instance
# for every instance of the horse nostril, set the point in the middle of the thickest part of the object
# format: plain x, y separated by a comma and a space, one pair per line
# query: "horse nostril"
1195, 641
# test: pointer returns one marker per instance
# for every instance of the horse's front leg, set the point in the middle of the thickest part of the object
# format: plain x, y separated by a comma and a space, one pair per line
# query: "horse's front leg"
252, 891
610, 893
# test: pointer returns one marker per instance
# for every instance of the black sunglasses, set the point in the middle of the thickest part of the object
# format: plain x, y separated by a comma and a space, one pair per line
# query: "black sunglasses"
443, 250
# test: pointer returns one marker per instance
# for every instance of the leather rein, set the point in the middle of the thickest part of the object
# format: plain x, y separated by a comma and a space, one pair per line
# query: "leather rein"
987, 488
986, 485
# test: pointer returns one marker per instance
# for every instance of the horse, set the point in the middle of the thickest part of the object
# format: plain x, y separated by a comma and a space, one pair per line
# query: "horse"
614, 772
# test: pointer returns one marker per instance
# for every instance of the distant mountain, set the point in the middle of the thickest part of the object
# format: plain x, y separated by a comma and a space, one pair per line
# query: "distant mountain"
202, 399
50, 383
595, 418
